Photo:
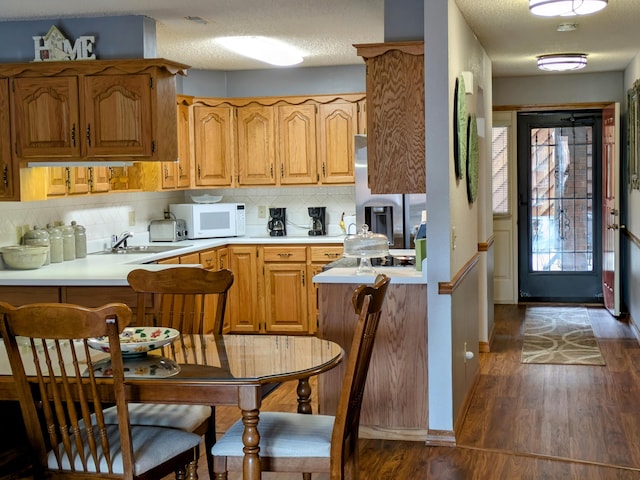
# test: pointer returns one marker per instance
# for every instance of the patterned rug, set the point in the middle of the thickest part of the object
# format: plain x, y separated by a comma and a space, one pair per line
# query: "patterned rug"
559, 335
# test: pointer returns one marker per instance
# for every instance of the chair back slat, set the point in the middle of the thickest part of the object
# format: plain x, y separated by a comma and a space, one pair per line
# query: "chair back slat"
367, 301
181, 298
54, 375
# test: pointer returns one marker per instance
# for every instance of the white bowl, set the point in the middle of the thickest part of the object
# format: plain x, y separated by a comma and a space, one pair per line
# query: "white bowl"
24, 257
138, 340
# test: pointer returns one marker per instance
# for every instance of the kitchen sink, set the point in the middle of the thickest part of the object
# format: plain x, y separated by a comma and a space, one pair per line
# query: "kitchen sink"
140, 249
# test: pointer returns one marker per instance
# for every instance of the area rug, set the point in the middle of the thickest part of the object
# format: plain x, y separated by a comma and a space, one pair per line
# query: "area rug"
559, 335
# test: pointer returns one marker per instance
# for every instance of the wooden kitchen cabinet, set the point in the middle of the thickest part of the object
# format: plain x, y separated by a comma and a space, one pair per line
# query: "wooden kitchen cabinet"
318, 257
395, 116
338, 123
243, 298
297, 156
93, 110
177, 174
10, 179
213, 148
285, 289
77, 180
256, 145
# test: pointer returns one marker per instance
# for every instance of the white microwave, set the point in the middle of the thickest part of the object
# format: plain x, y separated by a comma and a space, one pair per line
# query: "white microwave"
211, 220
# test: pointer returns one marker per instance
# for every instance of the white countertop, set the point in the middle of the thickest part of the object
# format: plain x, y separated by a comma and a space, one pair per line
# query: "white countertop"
399, 275
112, 270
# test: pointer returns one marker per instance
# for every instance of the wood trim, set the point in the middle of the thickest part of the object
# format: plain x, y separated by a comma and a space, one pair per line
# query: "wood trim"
368, 50
441, 438
288, 100
543, 107
385, 433
92, 67
484, 347
447, 288
634, 239
485, 246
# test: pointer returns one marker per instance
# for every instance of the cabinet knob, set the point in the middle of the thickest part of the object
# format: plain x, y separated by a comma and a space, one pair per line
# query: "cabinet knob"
468, 355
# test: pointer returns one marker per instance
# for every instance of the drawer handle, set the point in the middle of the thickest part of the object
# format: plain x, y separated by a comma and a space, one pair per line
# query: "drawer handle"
332, 255
285, 255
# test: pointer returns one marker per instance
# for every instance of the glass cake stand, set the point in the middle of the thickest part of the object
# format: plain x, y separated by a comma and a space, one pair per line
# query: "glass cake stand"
365, 246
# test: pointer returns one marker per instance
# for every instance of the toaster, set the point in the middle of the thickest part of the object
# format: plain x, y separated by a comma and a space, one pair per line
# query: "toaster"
167, 230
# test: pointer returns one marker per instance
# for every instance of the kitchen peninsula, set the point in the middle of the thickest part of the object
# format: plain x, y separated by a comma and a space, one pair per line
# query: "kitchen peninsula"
395, 404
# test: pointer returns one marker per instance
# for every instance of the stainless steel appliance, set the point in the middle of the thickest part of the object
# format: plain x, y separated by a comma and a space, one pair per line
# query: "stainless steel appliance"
167, 230
318, 220
395, 216
277, 224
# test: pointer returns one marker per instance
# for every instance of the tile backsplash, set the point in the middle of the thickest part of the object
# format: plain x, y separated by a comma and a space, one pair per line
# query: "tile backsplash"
106, 215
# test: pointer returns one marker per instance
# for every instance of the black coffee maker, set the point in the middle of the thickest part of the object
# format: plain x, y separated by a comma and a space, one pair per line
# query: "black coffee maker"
318, 221
277, 224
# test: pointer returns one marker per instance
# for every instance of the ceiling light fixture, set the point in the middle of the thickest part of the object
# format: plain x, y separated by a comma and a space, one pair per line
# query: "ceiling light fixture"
263, 49
562, 62
565, 8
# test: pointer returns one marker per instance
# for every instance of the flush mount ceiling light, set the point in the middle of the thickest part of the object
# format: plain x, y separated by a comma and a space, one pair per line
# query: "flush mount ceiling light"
562, 62
263, 49
565, 8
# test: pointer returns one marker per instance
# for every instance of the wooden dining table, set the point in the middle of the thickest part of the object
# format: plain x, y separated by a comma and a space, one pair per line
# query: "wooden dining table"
217, 370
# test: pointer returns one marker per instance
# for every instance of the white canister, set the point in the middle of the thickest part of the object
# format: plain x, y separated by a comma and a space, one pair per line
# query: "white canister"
80, 239
55, 241
68, 242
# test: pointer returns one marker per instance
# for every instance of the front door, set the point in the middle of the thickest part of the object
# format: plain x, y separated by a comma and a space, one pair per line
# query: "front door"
559, 206
611, 209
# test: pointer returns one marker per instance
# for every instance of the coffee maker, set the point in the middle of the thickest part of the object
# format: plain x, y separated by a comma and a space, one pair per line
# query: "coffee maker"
277, 224
318, 222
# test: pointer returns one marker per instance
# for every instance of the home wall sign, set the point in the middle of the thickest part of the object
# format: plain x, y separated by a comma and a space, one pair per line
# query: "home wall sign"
459, 128
54, 46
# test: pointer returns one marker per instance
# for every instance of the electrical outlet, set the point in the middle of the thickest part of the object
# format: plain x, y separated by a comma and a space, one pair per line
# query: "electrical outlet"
262, 211
132, 218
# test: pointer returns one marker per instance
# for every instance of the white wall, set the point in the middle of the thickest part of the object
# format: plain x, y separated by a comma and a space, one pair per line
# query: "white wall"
631, 218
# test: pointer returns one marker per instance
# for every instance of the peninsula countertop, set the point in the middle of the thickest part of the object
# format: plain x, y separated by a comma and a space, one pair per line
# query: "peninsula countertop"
112, 269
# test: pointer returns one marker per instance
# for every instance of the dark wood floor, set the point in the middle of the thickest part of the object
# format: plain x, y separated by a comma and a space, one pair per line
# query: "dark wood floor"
524, 421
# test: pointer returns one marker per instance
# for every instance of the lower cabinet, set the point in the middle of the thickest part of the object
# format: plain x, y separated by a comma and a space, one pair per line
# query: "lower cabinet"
243, 300
285, 289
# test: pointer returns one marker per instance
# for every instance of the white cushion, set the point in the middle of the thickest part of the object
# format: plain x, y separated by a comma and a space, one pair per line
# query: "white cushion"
183, 417
282, 435
151, 447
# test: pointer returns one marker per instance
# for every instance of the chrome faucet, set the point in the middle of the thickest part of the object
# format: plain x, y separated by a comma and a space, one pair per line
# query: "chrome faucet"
121, 241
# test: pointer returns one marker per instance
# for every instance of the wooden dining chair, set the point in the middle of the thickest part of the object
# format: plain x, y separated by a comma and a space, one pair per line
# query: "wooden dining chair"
182, 298
50, 358
292, 442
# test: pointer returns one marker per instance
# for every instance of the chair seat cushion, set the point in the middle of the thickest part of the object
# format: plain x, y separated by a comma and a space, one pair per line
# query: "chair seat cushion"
182, 417
282, 435
152, 446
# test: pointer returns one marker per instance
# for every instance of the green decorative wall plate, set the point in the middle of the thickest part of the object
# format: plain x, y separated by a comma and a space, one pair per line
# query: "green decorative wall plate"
459, 127
472, 158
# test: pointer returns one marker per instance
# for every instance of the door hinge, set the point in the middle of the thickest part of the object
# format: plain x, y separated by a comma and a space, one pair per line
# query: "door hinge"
151, 83
153, 146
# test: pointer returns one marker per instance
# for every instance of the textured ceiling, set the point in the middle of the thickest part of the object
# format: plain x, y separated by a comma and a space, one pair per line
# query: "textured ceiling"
325, 30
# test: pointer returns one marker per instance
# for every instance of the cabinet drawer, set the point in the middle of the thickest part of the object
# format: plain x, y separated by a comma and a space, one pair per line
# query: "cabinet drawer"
285, 254
208, 259
325, 254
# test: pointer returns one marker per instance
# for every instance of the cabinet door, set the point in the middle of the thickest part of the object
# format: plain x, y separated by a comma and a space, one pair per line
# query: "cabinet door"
297, 144
395, 117
212, 145
286, 297
362, 117
177, 174
243, 295
80, 180
58, 180
319, 255
256, 145
118, 115
9, 179
99, 179
338, 123
45, 117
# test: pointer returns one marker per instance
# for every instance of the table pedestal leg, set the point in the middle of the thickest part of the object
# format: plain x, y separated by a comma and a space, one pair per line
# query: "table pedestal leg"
251, 440
304, 396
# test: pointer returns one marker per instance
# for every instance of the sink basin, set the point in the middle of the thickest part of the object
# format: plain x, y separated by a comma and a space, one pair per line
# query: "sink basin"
141, 249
